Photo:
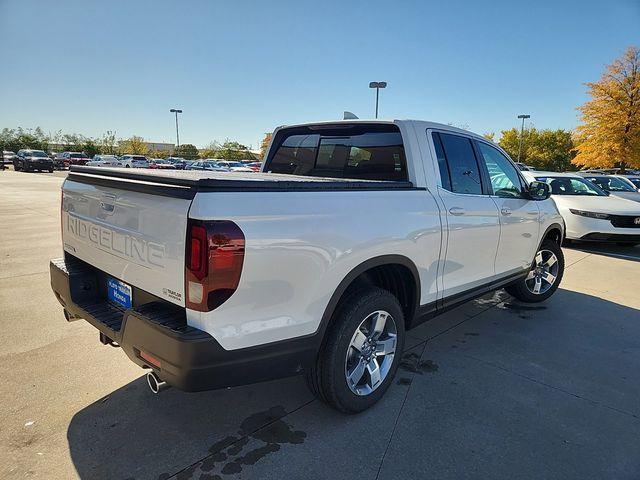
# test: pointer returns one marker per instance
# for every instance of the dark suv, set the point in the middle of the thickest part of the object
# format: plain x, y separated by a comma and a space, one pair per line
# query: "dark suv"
30, 160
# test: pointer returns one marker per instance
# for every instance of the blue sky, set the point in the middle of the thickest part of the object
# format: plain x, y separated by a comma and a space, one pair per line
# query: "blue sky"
240, 68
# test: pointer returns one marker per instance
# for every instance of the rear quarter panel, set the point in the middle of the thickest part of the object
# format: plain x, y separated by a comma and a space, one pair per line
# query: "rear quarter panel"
301, 245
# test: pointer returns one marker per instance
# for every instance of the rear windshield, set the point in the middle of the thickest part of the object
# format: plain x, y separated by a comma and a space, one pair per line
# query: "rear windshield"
359, 151
76, 155
37, 154
139, 159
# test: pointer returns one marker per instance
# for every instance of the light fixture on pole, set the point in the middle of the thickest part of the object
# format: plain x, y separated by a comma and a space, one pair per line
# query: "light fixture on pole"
523, 117
176, 111
377, 86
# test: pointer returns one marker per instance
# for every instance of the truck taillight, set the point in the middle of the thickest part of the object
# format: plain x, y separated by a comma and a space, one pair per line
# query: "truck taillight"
214, 258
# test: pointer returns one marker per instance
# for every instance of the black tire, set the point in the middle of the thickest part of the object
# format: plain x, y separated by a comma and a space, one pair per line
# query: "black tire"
127, 166
521, 291
51, 170
327, 378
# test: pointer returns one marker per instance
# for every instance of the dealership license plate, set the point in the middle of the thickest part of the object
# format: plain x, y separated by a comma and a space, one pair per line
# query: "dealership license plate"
119, 292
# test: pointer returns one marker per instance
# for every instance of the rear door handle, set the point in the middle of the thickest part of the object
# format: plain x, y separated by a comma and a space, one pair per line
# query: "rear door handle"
505, 211
456, 211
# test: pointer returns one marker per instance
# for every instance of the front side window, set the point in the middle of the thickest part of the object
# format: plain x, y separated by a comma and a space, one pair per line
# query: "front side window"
358, 151
461, 162
505, 181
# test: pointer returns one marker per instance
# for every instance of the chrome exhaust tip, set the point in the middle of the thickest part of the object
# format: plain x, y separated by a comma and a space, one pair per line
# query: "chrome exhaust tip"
156, 384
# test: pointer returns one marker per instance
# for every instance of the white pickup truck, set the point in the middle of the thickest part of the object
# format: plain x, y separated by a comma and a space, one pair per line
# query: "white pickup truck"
355, 232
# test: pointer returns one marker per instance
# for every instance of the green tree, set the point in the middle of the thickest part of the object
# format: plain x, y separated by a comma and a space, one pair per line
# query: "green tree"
551, 150
187, 151
134, 146
543, 149
15, 139
510, 140
108, 144
210, 151
231, 150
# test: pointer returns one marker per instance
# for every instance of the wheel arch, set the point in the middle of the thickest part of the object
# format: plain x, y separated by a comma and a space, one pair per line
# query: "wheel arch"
554, 231
362, 275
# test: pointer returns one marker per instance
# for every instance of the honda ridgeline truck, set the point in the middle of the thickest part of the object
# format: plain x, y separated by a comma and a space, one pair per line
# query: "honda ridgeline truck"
353, 233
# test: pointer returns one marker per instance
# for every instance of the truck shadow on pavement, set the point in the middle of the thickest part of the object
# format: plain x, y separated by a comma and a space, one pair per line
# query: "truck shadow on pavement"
132, 433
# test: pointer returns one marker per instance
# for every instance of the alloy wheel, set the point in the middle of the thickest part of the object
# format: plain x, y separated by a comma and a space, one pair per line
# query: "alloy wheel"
371, 352
543, 273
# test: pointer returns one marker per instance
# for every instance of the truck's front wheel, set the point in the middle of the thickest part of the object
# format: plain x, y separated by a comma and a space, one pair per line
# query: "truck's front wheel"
543, 278
361, 353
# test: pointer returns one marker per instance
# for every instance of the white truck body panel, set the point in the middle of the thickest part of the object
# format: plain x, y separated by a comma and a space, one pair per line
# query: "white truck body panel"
294, 262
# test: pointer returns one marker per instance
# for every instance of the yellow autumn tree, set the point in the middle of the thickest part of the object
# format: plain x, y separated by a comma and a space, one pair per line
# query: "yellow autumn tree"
265, 143
609, 133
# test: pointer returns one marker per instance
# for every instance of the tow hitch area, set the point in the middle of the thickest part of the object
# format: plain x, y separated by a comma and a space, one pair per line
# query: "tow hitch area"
107, 341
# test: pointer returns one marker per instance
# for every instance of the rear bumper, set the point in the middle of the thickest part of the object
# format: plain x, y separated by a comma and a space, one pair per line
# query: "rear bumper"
190, 359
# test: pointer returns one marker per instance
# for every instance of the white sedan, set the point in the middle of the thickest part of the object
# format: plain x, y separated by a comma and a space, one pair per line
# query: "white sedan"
104, 161
590, 213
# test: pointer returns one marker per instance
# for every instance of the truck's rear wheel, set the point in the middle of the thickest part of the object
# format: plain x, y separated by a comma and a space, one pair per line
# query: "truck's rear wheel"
361, 353
543, 278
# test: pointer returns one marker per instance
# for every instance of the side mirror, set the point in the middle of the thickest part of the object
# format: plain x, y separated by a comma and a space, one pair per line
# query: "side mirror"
539, 190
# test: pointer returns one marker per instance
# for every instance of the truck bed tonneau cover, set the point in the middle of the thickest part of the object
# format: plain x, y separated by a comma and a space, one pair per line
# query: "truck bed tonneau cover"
185, 183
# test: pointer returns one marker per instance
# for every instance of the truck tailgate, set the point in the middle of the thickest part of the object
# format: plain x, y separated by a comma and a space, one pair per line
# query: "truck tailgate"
135, 236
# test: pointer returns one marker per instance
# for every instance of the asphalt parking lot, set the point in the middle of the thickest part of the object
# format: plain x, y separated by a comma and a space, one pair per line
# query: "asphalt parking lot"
493, 389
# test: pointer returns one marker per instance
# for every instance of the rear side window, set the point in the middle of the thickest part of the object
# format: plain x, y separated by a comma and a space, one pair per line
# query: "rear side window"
359, 151
463, 168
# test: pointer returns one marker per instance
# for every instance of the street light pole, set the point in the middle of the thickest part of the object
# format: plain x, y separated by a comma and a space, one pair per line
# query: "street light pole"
377, 86
523, 117
176, 111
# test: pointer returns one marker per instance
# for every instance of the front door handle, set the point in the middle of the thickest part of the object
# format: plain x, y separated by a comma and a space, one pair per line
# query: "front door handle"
505, 211
456, 211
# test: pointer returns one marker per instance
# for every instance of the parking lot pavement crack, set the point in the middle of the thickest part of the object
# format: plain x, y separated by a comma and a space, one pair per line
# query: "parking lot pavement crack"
395, 423
24, 275
553, 387
230, 442
578, 260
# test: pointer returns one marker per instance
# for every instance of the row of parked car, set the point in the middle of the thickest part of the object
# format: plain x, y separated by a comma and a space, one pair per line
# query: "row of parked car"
596, 205
31, 160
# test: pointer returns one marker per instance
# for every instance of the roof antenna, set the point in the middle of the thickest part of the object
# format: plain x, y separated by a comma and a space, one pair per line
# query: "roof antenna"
349, 116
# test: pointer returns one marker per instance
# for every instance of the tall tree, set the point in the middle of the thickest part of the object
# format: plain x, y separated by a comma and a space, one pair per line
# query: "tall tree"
265, 144
108, 143
210, 150
231, 150
510, 141
543, 149
609, 133
134, 146
187, 151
